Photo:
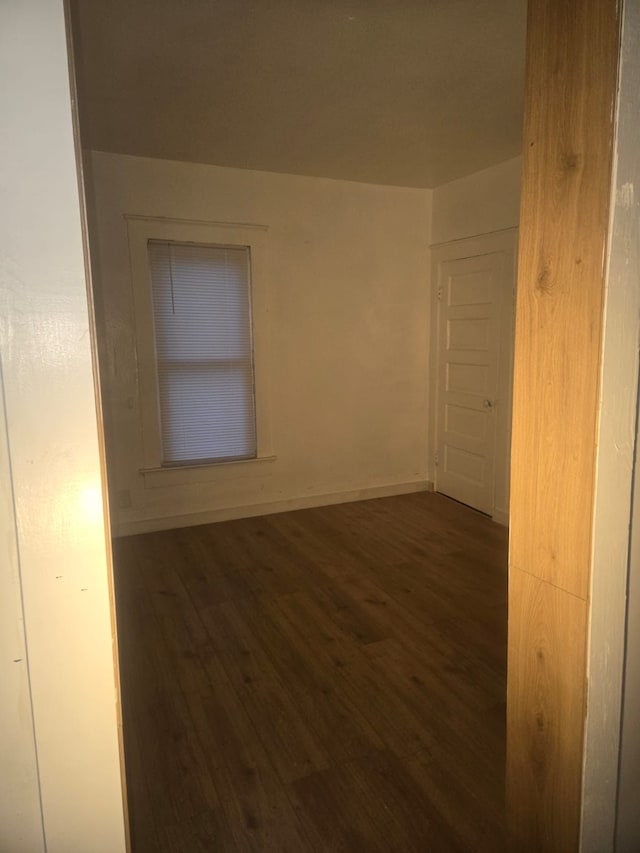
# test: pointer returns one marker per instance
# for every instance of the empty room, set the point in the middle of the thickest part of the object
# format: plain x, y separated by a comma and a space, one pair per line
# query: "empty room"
301, 668
272, 408
302, 230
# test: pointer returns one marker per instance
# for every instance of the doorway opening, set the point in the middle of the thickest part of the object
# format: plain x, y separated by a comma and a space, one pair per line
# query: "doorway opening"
345, 392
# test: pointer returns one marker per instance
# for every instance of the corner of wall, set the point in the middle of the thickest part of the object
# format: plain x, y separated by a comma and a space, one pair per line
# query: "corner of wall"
480, 203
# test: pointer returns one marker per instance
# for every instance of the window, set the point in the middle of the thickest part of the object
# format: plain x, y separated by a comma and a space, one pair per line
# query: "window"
204, 351
200, 298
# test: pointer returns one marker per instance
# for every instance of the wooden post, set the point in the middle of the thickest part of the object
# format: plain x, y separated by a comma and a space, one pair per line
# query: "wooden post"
572, 58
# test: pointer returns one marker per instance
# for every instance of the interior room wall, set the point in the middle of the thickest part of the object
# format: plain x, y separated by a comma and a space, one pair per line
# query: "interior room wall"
480, 203
348, 282
612, 752
20, 808
628, 816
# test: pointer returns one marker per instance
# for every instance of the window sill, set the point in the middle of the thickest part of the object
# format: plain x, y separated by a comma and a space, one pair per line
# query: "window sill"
180, 475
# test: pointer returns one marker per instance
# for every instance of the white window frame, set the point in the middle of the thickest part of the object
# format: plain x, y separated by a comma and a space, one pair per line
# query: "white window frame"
141, 230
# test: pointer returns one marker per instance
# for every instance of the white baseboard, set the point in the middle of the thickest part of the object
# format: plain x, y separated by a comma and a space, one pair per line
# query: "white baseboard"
149, 525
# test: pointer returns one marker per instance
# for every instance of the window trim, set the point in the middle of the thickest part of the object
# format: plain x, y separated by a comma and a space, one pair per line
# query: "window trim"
142, 229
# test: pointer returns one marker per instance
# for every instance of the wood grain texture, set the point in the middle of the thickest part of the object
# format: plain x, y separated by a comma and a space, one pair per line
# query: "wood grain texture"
546, 711
572, 54
323, 680
572, 58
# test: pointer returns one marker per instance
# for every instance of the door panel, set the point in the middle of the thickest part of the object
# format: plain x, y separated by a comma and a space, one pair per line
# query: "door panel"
469, 297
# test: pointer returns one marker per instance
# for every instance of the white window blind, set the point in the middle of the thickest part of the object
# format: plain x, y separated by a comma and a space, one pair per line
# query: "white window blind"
204, 351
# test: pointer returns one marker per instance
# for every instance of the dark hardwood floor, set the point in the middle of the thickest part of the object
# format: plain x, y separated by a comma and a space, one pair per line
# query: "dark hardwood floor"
330, 679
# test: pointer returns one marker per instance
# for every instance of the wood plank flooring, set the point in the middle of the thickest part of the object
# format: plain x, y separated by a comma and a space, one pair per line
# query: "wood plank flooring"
330, 679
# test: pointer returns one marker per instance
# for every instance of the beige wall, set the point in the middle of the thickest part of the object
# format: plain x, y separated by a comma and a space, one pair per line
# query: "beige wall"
614, 660
20, 813
50, 473
348, 282
477, 204
628, 814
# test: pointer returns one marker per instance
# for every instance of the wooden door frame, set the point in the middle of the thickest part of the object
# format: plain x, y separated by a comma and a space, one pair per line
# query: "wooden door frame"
91, 312
505, 242
575, 396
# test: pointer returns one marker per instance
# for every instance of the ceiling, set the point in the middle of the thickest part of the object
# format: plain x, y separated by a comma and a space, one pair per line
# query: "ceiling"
405, 92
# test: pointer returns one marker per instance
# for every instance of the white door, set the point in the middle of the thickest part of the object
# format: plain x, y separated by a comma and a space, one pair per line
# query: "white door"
470, 291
